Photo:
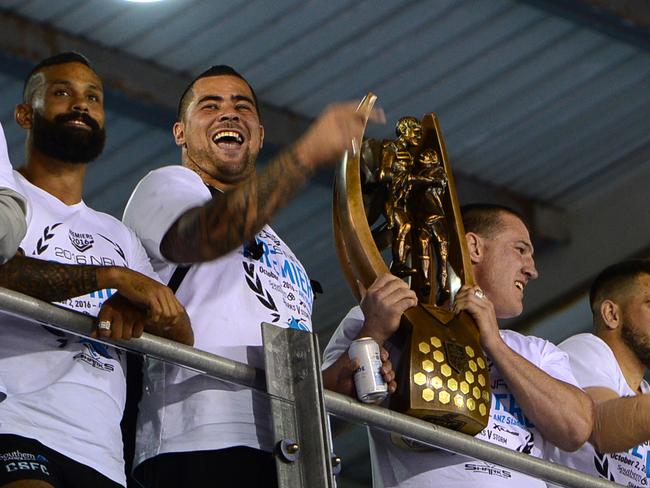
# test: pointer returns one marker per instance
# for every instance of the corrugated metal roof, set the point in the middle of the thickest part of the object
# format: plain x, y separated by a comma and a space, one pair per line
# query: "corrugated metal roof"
504, 77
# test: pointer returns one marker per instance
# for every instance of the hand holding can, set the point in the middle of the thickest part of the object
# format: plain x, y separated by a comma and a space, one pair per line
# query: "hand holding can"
368, 380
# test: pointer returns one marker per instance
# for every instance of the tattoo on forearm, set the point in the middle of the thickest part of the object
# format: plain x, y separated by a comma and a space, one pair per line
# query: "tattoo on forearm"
208, 232
46, 280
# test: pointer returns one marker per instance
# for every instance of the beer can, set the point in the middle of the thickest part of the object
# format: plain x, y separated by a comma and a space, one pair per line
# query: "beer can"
368, 380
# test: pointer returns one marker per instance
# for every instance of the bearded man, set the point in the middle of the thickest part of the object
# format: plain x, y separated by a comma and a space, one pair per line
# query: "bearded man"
62, 397
610, 364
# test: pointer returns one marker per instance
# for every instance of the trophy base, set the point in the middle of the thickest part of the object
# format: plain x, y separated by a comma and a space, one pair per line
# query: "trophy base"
443, 377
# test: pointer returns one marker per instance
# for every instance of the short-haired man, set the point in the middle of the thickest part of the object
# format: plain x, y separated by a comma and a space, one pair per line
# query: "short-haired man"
610, 364
212, 211
530, 377
62, 397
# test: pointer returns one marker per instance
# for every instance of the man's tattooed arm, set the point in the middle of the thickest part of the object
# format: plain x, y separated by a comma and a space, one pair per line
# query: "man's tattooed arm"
46, 280
53, 282
208, 232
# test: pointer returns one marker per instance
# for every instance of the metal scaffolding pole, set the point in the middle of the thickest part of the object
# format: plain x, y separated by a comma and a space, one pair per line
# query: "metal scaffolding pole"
336, 404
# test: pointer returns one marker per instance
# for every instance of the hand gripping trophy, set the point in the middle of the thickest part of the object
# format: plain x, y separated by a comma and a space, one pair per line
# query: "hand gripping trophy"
400, 194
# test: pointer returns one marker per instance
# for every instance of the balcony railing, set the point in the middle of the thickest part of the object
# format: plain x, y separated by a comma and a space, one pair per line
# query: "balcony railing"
299, 403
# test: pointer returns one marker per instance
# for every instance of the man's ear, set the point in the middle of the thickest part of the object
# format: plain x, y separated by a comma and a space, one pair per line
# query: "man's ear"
475, 246
179, 133
24, 115
261, 136
611, 314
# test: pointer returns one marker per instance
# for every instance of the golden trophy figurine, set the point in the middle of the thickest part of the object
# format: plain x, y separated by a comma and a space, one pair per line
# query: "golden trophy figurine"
396, 170
401, 194
429, 187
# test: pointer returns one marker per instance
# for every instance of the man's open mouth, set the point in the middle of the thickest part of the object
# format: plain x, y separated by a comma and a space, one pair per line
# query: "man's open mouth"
77, 123
228, 137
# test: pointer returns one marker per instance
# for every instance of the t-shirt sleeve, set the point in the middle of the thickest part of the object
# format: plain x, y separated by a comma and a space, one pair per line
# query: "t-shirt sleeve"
591, 362
139, 261
7, 179
13, 225
343, 336
542, 353
159, 200
555, 362
13, 206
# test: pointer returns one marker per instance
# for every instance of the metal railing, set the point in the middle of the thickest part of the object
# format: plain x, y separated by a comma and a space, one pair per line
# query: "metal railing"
293, 355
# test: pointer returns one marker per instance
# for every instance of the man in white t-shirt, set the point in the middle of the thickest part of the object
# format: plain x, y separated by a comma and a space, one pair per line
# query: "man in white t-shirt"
212, 211
61, 396
13, 206
534, 399
610, 364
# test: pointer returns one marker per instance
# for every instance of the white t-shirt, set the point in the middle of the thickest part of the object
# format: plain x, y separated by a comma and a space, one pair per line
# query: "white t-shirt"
595, 365
65, 391
507, 427
226, 300
13, 206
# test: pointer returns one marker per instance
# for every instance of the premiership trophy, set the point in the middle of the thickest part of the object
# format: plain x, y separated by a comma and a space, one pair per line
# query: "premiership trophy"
400, 194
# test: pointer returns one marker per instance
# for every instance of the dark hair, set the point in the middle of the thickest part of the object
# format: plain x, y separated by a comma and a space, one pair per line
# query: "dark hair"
613, 280
216, 70
485, 218
61, 58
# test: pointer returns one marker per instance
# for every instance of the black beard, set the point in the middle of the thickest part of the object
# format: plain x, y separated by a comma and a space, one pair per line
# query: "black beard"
68, 143
639, 344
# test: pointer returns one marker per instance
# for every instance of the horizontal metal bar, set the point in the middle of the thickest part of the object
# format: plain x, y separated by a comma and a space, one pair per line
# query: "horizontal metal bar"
337, 404
419, 430
76, 323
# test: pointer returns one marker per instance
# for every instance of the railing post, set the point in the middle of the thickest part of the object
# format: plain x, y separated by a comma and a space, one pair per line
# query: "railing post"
300, 424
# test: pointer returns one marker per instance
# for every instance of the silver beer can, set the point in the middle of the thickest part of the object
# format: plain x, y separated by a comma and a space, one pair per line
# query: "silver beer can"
368, 380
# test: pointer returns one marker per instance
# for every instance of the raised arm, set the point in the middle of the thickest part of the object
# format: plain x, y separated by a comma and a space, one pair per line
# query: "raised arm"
216, 228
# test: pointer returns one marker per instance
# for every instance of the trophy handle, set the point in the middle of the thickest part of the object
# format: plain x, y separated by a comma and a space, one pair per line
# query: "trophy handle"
355, 246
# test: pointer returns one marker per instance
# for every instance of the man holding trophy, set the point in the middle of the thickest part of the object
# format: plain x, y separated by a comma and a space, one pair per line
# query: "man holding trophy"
533, 397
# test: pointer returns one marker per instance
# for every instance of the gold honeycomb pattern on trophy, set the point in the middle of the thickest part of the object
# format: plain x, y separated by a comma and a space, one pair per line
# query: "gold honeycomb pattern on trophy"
459, 401
438, 381
445, 397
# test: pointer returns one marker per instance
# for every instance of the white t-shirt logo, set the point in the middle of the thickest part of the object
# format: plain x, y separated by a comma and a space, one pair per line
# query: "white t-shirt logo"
43, 242
82, 242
